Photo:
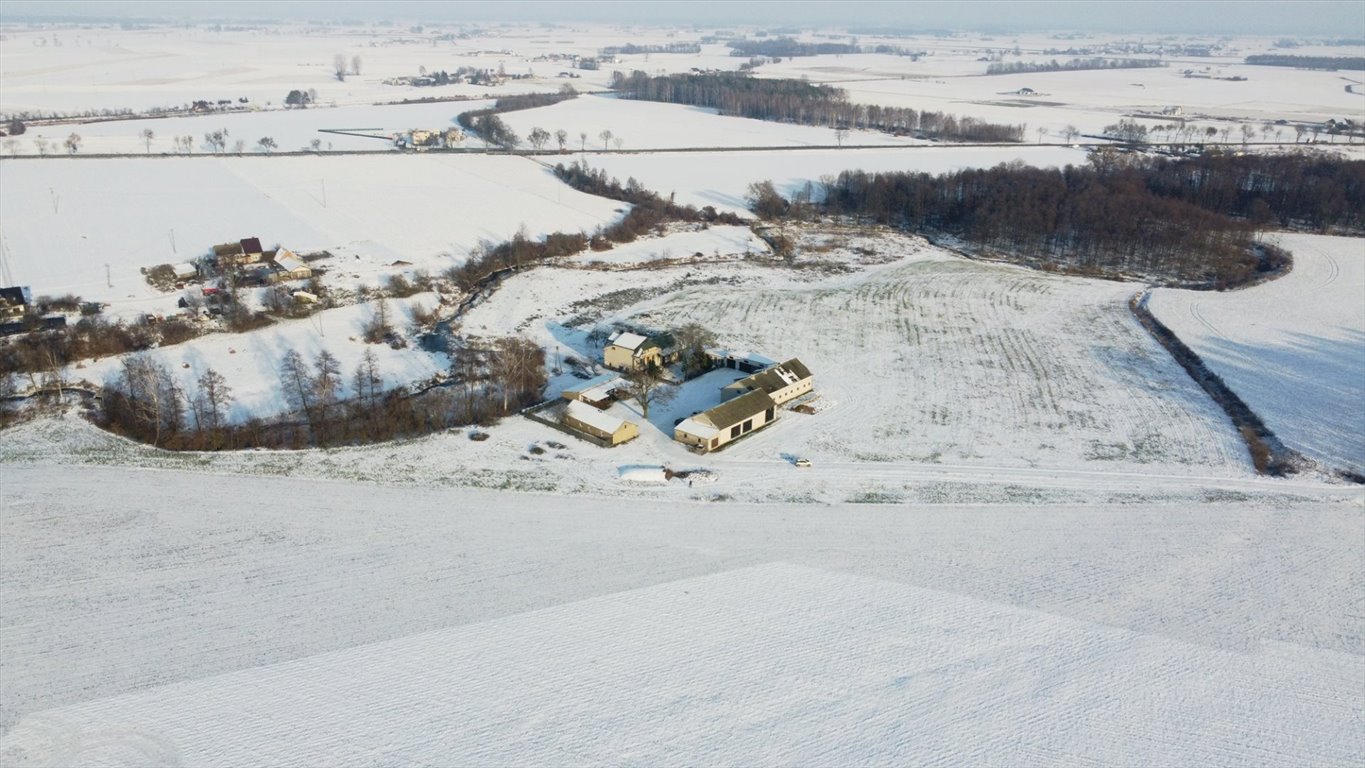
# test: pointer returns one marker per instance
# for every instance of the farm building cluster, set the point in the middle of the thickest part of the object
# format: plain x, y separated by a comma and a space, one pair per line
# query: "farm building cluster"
745, 406
254, 265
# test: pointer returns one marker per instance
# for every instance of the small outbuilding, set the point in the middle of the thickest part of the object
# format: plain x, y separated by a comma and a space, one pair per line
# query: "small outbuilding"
599, 392
288, 266
594, 423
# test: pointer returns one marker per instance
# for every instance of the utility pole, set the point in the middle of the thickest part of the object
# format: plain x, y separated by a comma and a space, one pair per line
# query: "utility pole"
108, 276
173, 240
324, 192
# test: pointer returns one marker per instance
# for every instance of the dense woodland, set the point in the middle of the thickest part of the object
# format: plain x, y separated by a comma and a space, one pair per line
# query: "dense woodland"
1187, 221
786, 46
1074, 65
1307, 62
801, 102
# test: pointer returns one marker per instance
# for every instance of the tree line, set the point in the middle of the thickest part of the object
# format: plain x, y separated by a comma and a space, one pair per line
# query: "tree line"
1307, 62
1074, 65
786, 46
1186, 221
804, 103
648, 212
486, 380
486, 124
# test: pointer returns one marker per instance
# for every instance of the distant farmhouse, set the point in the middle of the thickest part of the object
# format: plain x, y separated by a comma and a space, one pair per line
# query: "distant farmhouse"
627, 351
277, 266
15, 301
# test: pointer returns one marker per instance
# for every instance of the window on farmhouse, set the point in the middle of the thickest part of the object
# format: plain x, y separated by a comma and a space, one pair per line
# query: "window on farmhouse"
748, 425
734, 432
769, 415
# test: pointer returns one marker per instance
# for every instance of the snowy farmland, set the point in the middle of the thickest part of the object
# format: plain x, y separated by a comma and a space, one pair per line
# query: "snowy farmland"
722, 179
64, 220
1292, 348
149, 629
1005, 528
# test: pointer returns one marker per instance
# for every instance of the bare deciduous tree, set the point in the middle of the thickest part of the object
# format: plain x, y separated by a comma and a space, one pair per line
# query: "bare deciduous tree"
147, 136
561, 136
355, 64
339, 67
73, 143
605, 136
646, 387
266, 144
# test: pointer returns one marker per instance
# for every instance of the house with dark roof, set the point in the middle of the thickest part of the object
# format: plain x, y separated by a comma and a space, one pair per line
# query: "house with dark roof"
729, 421
15, 301
782, 382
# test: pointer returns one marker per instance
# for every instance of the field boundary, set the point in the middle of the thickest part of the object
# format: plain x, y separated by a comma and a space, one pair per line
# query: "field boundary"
1268, 453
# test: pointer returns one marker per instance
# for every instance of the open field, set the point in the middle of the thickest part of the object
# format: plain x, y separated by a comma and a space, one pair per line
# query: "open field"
173, 580
292, 130
722, 179
652, 125
949, 81
1007, 530
1292, 348
64, 221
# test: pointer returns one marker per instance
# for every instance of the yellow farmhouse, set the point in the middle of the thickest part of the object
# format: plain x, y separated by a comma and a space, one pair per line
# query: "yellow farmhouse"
603, 426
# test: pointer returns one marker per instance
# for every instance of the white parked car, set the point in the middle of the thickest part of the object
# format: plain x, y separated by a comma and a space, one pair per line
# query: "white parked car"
802, 462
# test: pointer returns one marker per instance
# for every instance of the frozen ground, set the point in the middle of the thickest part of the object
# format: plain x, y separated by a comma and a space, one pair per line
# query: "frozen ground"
1292, 348
64, 221
952, 82
722, 179
292, 130
653, 125
1191, 634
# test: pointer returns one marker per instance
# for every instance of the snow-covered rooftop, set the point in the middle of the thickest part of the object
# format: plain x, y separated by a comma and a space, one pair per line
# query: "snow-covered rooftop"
593, 417
698, 428
629, 340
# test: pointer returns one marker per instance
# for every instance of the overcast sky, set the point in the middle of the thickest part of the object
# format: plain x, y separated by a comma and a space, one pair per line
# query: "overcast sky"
1335, 18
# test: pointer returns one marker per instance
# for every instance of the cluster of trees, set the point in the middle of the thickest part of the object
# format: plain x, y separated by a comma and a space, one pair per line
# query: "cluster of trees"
339, 69
798, 101
301, 98
1307, 62
648, 211
487, 381
486, 124
1022, 67
631, 48
786, 46
1096, 220
1190, 221
1310, 190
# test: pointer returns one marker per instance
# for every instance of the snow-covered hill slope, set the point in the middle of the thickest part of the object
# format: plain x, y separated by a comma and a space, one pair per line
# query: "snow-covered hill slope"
1292, 348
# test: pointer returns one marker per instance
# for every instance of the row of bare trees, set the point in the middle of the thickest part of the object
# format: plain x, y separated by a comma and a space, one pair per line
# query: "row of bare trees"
326, 406
805, 103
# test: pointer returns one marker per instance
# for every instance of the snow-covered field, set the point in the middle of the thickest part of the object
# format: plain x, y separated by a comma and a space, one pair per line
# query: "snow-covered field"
292, 130
1089, 100
64, 221
1026, 537
358, 623
652, 125
1292, 348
